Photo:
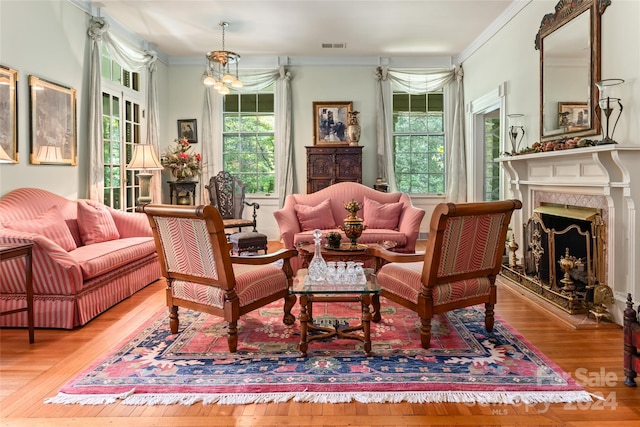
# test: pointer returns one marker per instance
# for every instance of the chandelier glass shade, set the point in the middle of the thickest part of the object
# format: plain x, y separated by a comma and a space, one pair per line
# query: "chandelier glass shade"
217, 72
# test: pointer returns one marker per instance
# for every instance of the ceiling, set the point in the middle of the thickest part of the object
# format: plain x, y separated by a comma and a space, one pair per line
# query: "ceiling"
379, 28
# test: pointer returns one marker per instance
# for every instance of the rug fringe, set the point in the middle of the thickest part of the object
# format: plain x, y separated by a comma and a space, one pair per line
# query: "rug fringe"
87, 399
508, 398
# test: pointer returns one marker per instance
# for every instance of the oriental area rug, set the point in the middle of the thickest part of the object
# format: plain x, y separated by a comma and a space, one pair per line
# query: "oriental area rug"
464, 364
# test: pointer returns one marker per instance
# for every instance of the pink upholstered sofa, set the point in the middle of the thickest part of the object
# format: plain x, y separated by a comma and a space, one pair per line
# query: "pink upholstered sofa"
388, 216
86, 257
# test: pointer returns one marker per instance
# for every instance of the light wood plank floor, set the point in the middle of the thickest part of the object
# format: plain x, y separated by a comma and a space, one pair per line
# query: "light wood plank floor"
31, 373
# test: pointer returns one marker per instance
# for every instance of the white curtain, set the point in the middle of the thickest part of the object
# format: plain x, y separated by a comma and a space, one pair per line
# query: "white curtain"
212, 140
421, 82
132, 59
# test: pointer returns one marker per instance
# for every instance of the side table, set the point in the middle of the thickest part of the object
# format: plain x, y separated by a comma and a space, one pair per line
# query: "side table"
15, 250
182, 192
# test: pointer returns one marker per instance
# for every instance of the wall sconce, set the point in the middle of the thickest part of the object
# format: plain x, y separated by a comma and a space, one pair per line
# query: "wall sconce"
516, 131
608, 101
144, 159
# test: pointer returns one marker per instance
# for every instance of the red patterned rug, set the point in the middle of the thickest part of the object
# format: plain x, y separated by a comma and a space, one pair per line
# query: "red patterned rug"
464, 363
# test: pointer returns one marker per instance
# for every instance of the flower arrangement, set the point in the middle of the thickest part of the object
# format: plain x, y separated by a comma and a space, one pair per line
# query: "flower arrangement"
352, 207
180, 162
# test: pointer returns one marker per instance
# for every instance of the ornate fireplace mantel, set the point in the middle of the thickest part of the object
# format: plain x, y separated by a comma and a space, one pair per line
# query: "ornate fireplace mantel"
578, 177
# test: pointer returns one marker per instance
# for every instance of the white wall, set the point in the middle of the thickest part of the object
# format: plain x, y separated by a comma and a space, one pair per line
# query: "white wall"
47, 39
510, 56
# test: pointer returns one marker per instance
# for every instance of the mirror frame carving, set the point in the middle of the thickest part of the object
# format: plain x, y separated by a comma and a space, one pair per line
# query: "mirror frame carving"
565, 11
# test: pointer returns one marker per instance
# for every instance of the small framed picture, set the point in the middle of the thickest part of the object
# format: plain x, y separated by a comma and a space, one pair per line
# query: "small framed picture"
573, 115
8, 115
330, 120
188, 129
54, 137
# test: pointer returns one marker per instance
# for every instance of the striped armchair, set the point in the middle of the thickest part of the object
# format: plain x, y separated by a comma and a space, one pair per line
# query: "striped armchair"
202, 275
459, 267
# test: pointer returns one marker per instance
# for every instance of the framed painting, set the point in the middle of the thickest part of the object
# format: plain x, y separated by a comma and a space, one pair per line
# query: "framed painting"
53, 123
8, 115
188, 129
573, 115
330, 120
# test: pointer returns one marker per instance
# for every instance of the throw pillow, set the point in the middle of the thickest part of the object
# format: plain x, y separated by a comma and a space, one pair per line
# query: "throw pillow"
382, 215
50, 224
312, 217
95, 223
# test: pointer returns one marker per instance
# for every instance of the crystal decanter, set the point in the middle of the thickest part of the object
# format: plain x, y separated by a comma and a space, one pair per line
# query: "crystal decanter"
317, 267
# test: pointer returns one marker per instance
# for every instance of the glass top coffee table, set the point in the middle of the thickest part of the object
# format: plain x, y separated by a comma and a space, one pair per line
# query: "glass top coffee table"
311, 292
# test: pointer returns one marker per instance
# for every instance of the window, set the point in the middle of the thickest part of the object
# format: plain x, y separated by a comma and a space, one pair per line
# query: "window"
419, 142
248, 139
121, 128
491, 151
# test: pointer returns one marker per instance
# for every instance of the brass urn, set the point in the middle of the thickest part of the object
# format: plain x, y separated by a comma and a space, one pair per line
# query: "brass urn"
353, 225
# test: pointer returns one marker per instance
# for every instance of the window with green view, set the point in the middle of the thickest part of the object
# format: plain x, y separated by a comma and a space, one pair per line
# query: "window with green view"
122, 105
419, 142
249, 139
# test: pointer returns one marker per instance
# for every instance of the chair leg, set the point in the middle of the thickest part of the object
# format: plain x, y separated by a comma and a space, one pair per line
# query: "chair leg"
488, 317
289, 301
425, 332
174, 322
232, 336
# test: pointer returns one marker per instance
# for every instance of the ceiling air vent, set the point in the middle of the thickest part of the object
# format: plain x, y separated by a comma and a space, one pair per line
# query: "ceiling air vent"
334, 45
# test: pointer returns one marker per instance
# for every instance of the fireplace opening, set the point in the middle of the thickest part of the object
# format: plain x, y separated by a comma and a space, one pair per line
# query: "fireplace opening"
563, 255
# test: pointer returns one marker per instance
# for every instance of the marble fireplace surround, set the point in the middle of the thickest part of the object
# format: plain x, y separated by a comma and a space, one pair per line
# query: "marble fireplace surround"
605, 177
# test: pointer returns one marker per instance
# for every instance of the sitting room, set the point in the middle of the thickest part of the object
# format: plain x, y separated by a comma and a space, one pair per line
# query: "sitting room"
405, 121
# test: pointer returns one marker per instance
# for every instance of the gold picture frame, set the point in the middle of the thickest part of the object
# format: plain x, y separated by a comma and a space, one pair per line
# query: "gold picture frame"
573, 115
53, 123
330, 120
8, 115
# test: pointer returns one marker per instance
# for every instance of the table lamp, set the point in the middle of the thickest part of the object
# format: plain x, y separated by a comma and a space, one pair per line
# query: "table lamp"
144, 159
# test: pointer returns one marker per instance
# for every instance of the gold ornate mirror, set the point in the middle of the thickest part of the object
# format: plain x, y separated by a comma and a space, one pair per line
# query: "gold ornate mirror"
569, 44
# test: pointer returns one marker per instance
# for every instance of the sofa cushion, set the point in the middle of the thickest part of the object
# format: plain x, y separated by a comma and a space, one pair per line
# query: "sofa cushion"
312, 217
96, 223
99, 258
382, 215
50, 224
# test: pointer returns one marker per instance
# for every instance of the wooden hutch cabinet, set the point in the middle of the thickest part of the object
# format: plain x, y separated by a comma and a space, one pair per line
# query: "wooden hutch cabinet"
327, 165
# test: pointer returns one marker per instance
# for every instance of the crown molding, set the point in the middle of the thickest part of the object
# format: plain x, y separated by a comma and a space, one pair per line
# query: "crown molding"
514, 8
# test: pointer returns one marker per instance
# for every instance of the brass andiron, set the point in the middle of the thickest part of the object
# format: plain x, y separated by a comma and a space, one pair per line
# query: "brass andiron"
602, 296
512, 245
567, 264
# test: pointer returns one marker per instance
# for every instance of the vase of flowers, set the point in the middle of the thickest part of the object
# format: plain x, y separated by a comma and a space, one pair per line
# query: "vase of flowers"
180, 162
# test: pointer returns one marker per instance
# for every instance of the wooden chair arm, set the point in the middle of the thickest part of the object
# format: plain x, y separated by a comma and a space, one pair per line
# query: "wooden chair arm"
264, 259
389, 256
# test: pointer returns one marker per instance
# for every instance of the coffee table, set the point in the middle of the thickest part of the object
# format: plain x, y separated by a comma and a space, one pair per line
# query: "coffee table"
311, 292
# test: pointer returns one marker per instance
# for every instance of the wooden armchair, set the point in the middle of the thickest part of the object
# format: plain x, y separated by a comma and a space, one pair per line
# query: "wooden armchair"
226, 193
459, 267
202, 275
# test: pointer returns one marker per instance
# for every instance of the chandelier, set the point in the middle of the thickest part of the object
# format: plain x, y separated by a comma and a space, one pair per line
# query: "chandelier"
217, 72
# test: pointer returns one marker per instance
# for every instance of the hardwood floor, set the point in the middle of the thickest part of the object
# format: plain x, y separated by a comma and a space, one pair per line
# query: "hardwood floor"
31, 373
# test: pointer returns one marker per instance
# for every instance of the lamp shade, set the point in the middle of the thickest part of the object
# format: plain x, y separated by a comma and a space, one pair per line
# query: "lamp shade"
49, 154
4, 157
144, 158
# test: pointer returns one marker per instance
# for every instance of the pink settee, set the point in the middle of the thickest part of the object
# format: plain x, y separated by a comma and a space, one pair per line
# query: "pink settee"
388, 216
86, 257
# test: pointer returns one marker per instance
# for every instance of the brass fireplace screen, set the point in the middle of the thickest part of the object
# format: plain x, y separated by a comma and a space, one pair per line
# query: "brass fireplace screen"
564, 258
